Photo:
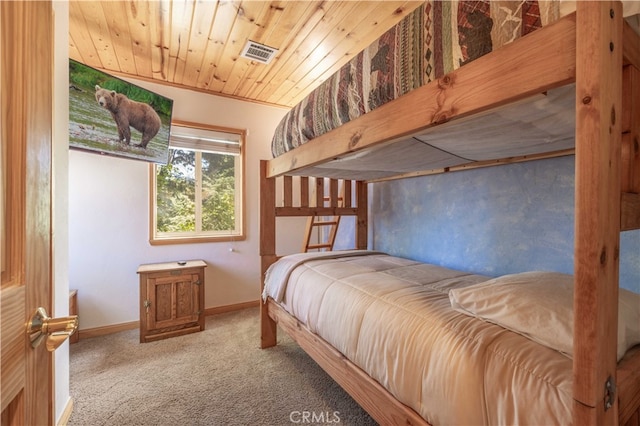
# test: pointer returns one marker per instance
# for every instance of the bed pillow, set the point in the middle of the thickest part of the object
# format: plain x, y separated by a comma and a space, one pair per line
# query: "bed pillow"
539, 305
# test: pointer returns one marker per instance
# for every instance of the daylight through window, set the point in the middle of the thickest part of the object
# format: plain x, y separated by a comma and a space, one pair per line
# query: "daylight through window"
197, 195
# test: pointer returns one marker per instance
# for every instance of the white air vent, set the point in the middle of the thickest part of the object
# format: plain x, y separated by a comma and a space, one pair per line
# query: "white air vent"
258, 52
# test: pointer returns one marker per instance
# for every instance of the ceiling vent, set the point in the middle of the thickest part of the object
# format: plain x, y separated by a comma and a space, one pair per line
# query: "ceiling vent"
258, 52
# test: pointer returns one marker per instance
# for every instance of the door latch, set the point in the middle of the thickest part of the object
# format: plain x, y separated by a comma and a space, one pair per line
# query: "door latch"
54, 331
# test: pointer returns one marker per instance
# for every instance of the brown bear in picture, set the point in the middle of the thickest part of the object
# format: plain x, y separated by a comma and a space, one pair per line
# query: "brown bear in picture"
128, 113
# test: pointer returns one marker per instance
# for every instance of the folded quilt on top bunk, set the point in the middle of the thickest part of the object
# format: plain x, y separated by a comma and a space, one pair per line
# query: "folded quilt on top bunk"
435, 39
393, 318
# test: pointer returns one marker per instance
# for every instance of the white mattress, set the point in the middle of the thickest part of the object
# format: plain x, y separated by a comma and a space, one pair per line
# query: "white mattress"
392, 317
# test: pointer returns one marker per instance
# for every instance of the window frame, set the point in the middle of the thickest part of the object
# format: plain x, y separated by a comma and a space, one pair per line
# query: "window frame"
154, 239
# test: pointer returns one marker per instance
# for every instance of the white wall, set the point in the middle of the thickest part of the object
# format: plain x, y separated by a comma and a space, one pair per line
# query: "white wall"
109, 218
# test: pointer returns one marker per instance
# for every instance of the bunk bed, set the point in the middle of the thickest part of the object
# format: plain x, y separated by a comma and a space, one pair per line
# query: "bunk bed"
585, 66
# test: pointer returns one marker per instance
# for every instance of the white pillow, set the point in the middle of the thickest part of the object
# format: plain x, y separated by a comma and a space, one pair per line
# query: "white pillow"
539, 305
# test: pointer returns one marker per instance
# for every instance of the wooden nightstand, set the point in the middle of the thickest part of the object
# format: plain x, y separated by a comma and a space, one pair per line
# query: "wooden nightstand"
73, 310
171, 299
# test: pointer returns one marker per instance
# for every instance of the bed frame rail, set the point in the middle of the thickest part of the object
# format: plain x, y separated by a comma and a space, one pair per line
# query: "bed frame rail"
374, 398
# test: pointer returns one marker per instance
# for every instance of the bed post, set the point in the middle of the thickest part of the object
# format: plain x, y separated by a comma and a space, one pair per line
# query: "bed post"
362, 197
268, 329
631, 130
597, 210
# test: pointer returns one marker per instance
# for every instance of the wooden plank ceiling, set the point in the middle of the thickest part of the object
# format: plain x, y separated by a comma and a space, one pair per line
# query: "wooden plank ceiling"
197, 44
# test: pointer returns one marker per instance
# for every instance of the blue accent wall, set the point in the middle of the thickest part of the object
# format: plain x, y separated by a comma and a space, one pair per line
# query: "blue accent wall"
491, 221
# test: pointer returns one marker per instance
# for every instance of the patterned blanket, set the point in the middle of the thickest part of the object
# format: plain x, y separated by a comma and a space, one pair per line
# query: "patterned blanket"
438, 37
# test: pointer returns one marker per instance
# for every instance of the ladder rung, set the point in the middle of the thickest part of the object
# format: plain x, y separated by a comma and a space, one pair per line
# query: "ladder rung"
325, 223
318, 246
316, 221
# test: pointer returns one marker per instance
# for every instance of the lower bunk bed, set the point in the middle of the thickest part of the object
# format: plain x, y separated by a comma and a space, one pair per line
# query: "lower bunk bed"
415, 343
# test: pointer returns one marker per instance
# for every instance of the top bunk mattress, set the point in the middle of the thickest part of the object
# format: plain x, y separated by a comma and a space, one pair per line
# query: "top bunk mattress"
437, 38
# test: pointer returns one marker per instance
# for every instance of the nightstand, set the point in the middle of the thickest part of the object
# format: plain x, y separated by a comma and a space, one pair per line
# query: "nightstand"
171, 299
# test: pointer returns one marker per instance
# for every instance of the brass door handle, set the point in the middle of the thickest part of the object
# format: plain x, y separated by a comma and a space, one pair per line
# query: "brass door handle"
55, 330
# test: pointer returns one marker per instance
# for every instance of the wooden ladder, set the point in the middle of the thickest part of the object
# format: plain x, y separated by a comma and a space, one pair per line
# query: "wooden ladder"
317, 223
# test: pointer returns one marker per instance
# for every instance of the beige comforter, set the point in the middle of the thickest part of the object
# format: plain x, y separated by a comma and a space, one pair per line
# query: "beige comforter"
392, 317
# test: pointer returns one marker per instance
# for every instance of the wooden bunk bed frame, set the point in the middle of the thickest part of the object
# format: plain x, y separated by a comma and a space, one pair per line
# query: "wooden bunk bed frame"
598, 51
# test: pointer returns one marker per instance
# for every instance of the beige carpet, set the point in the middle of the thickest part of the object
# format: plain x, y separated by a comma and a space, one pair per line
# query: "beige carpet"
215, 377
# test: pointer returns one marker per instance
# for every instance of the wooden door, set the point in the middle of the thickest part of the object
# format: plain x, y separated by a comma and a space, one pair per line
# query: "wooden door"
26, 75
174, 300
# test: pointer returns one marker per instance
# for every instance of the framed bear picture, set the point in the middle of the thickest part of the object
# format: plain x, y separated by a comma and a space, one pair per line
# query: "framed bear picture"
110, 116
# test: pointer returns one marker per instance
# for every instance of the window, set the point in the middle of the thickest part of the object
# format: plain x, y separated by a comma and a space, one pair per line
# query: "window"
198, 195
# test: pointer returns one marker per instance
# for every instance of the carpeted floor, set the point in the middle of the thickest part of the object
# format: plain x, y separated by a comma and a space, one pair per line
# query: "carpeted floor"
215, 377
